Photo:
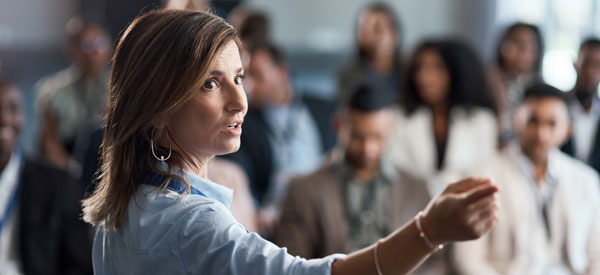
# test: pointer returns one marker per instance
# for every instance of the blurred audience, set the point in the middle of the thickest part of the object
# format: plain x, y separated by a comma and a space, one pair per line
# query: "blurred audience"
253, 26
186, 4
319, 184
357, 196
285, 132
40, 229
377, 62
518, 65
446, 122
75, 97
585, 106
548, 219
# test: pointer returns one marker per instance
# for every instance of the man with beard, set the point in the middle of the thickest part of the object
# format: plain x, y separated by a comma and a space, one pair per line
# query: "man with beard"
357, 196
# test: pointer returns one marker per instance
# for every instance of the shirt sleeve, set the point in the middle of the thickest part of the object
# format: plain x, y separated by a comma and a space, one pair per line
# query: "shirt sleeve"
211, 241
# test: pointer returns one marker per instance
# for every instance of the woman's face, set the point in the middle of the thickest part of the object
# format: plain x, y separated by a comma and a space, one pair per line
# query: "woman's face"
432, 79
519, 51
376, 33
210, 123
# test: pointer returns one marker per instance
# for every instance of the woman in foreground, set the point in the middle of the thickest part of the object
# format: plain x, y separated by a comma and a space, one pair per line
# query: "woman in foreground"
176, 100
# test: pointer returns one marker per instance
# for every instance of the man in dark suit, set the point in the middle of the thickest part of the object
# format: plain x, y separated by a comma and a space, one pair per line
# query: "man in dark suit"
40, 229
584, 106
285, 132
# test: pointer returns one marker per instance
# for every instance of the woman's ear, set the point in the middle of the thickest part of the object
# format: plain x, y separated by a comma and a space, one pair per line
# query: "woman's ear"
160, 124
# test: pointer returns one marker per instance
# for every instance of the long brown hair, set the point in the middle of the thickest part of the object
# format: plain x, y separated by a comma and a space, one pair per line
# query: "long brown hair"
160, 62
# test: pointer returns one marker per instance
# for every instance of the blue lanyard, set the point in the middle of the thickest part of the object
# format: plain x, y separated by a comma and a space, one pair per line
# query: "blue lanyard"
175, 185
12, 202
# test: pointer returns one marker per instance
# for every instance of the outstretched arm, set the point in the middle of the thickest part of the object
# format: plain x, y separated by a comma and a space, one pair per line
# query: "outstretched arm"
466, 210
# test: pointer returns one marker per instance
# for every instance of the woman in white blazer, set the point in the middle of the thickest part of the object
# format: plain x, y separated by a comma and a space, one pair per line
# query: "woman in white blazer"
446, 123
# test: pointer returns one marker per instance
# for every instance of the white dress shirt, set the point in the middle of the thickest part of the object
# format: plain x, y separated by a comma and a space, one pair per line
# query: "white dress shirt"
545, 253
9, 253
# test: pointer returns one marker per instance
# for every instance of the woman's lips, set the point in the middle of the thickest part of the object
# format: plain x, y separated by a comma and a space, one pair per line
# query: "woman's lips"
234, 128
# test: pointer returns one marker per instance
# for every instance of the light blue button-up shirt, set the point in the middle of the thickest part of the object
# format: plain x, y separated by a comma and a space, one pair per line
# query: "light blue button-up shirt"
168, 233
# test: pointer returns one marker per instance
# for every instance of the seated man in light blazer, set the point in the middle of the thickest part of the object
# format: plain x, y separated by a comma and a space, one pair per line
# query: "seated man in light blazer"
549, 207
356, 196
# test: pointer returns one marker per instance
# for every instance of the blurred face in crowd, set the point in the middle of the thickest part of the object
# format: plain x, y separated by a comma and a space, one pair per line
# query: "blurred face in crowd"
210, 122
91, 51
268, 78
431, 77
364, 135
197, 5
588, 69
11, 119
520, 51
542, 124
376, 33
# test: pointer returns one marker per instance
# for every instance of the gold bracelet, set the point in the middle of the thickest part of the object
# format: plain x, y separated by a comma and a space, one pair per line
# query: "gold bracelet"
422, 233
377, 259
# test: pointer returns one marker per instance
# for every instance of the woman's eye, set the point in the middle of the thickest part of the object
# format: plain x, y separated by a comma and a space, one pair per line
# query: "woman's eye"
210, 84
238, 79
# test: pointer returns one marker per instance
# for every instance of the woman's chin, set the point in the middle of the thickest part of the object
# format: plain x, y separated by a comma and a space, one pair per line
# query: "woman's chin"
229, 149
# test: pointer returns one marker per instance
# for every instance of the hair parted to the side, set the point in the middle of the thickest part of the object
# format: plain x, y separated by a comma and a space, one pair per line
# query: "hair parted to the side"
160, 62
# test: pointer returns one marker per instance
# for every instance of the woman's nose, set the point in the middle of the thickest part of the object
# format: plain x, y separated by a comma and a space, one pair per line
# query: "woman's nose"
237, 101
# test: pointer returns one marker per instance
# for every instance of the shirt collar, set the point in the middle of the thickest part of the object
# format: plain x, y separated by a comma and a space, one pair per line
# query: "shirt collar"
207, 187
10, 173
211, 189
526, 165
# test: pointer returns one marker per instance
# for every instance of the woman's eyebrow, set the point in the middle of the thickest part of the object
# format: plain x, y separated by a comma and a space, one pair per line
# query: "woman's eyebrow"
219, 73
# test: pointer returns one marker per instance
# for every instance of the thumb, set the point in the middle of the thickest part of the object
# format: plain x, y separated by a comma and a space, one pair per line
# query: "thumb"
466, 185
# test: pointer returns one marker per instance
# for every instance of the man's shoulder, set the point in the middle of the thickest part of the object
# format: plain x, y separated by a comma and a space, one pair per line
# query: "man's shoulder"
41, 170
318, 181
574, 168
56, 81
318, 106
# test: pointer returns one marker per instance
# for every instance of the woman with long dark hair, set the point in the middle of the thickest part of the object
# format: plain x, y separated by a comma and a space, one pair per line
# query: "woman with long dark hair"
448, 119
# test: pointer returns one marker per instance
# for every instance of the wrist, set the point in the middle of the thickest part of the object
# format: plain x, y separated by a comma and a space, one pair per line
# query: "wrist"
428, 232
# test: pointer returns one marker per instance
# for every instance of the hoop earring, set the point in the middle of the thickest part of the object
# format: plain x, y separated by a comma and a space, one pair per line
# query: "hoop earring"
162, 158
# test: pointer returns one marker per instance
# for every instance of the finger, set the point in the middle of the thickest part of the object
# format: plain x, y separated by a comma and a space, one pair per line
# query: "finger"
466, 184
479, 219
482, 204
484, 212
489, 221
480, 192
